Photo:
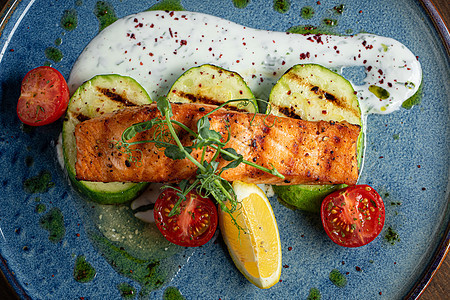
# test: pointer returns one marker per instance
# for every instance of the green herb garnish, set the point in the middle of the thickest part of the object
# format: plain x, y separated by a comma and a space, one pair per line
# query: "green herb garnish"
208, 181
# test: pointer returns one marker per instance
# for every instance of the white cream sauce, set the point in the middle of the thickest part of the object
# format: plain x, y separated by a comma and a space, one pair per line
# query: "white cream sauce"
156, 47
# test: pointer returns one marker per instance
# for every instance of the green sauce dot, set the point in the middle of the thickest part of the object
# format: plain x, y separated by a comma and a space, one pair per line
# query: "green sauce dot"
314, 294
69, 19
416, 99
105, 14
83, 271
172, 293
379, 92
337, 278
307, 12
40, 208
54, 54
392, 236
53, 221
170, 5
126, 291
39, 183
281, 6
241, 3
58, 42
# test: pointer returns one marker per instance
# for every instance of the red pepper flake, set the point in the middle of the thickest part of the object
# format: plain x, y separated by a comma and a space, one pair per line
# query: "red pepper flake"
361, 13
358, 269
380, 71
183, 42
283, 63
369, 68
318, 2
289, 248
423, 189
285, 266
380, 293
152, 25
238, 61
151, 54
210, 49
170, 32
77, 234
381, 157
11, 50
141, 63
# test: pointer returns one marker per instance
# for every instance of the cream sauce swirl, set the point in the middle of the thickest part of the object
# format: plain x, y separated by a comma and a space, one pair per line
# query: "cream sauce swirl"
156, 47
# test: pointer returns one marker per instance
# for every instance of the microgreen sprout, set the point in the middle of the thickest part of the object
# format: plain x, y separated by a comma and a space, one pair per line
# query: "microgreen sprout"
208, 181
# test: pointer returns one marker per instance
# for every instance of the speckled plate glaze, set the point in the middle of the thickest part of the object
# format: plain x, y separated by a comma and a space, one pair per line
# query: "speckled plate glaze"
406, 160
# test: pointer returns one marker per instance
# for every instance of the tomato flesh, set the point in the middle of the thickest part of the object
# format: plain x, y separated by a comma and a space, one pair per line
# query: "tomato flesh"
44, 96
353, 216
193, 226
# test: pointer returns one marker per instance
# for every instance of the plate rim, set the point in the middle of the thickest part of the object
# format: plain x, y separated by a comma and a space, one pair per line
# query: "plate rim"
439, 254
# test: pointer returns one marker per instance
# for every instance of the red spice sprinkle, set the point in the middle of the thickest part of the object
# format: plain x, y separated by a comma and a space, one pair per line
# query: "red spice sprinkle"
285, 266
183, 42
152, 25
318, 2
380, 293
11, 50
238, 61
78, 234
360, 11
289, 248
358, 269
210, 49
418, 166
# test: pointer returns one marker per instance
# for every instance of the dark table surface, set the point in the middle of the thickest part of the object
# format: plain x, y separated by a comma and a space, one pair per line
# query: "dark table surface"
438, 289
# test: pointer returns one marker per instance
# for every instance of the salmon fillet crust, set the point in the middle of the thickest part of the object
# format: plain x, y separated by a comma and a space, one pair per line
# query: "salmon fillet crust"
304, 152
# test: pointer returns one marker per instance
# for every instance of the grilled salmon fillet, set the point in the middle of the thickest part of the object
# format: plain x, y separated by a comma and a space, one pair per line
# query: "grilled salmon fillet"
304, 152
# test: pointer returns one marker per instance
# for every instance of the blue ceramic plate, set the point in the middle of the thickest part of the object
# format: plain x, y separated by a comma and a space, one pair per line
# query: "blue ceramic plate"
45, 235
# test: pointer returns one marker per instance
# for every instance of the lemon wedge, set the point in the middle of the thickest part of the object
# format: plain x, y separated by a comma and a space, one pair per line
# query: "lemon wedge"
257, 251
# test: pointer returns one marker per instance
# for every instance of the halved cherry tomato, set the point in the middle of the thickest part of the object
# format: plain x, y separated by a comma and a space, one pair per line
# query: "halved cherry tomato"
353, 216
195, 223
44, 97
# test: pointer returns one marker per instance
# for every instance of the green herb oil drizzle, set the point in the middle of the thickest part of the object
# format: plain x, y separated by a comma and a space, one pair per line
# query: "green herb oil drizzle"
241, 3
83, 270
53, 221
169, 5
105, 14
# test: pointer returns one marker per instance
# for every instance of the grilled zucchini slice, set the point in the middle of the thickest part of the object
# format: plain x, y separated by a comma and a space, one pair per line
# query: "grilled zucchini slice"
101, 94
312, 92
210, 84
